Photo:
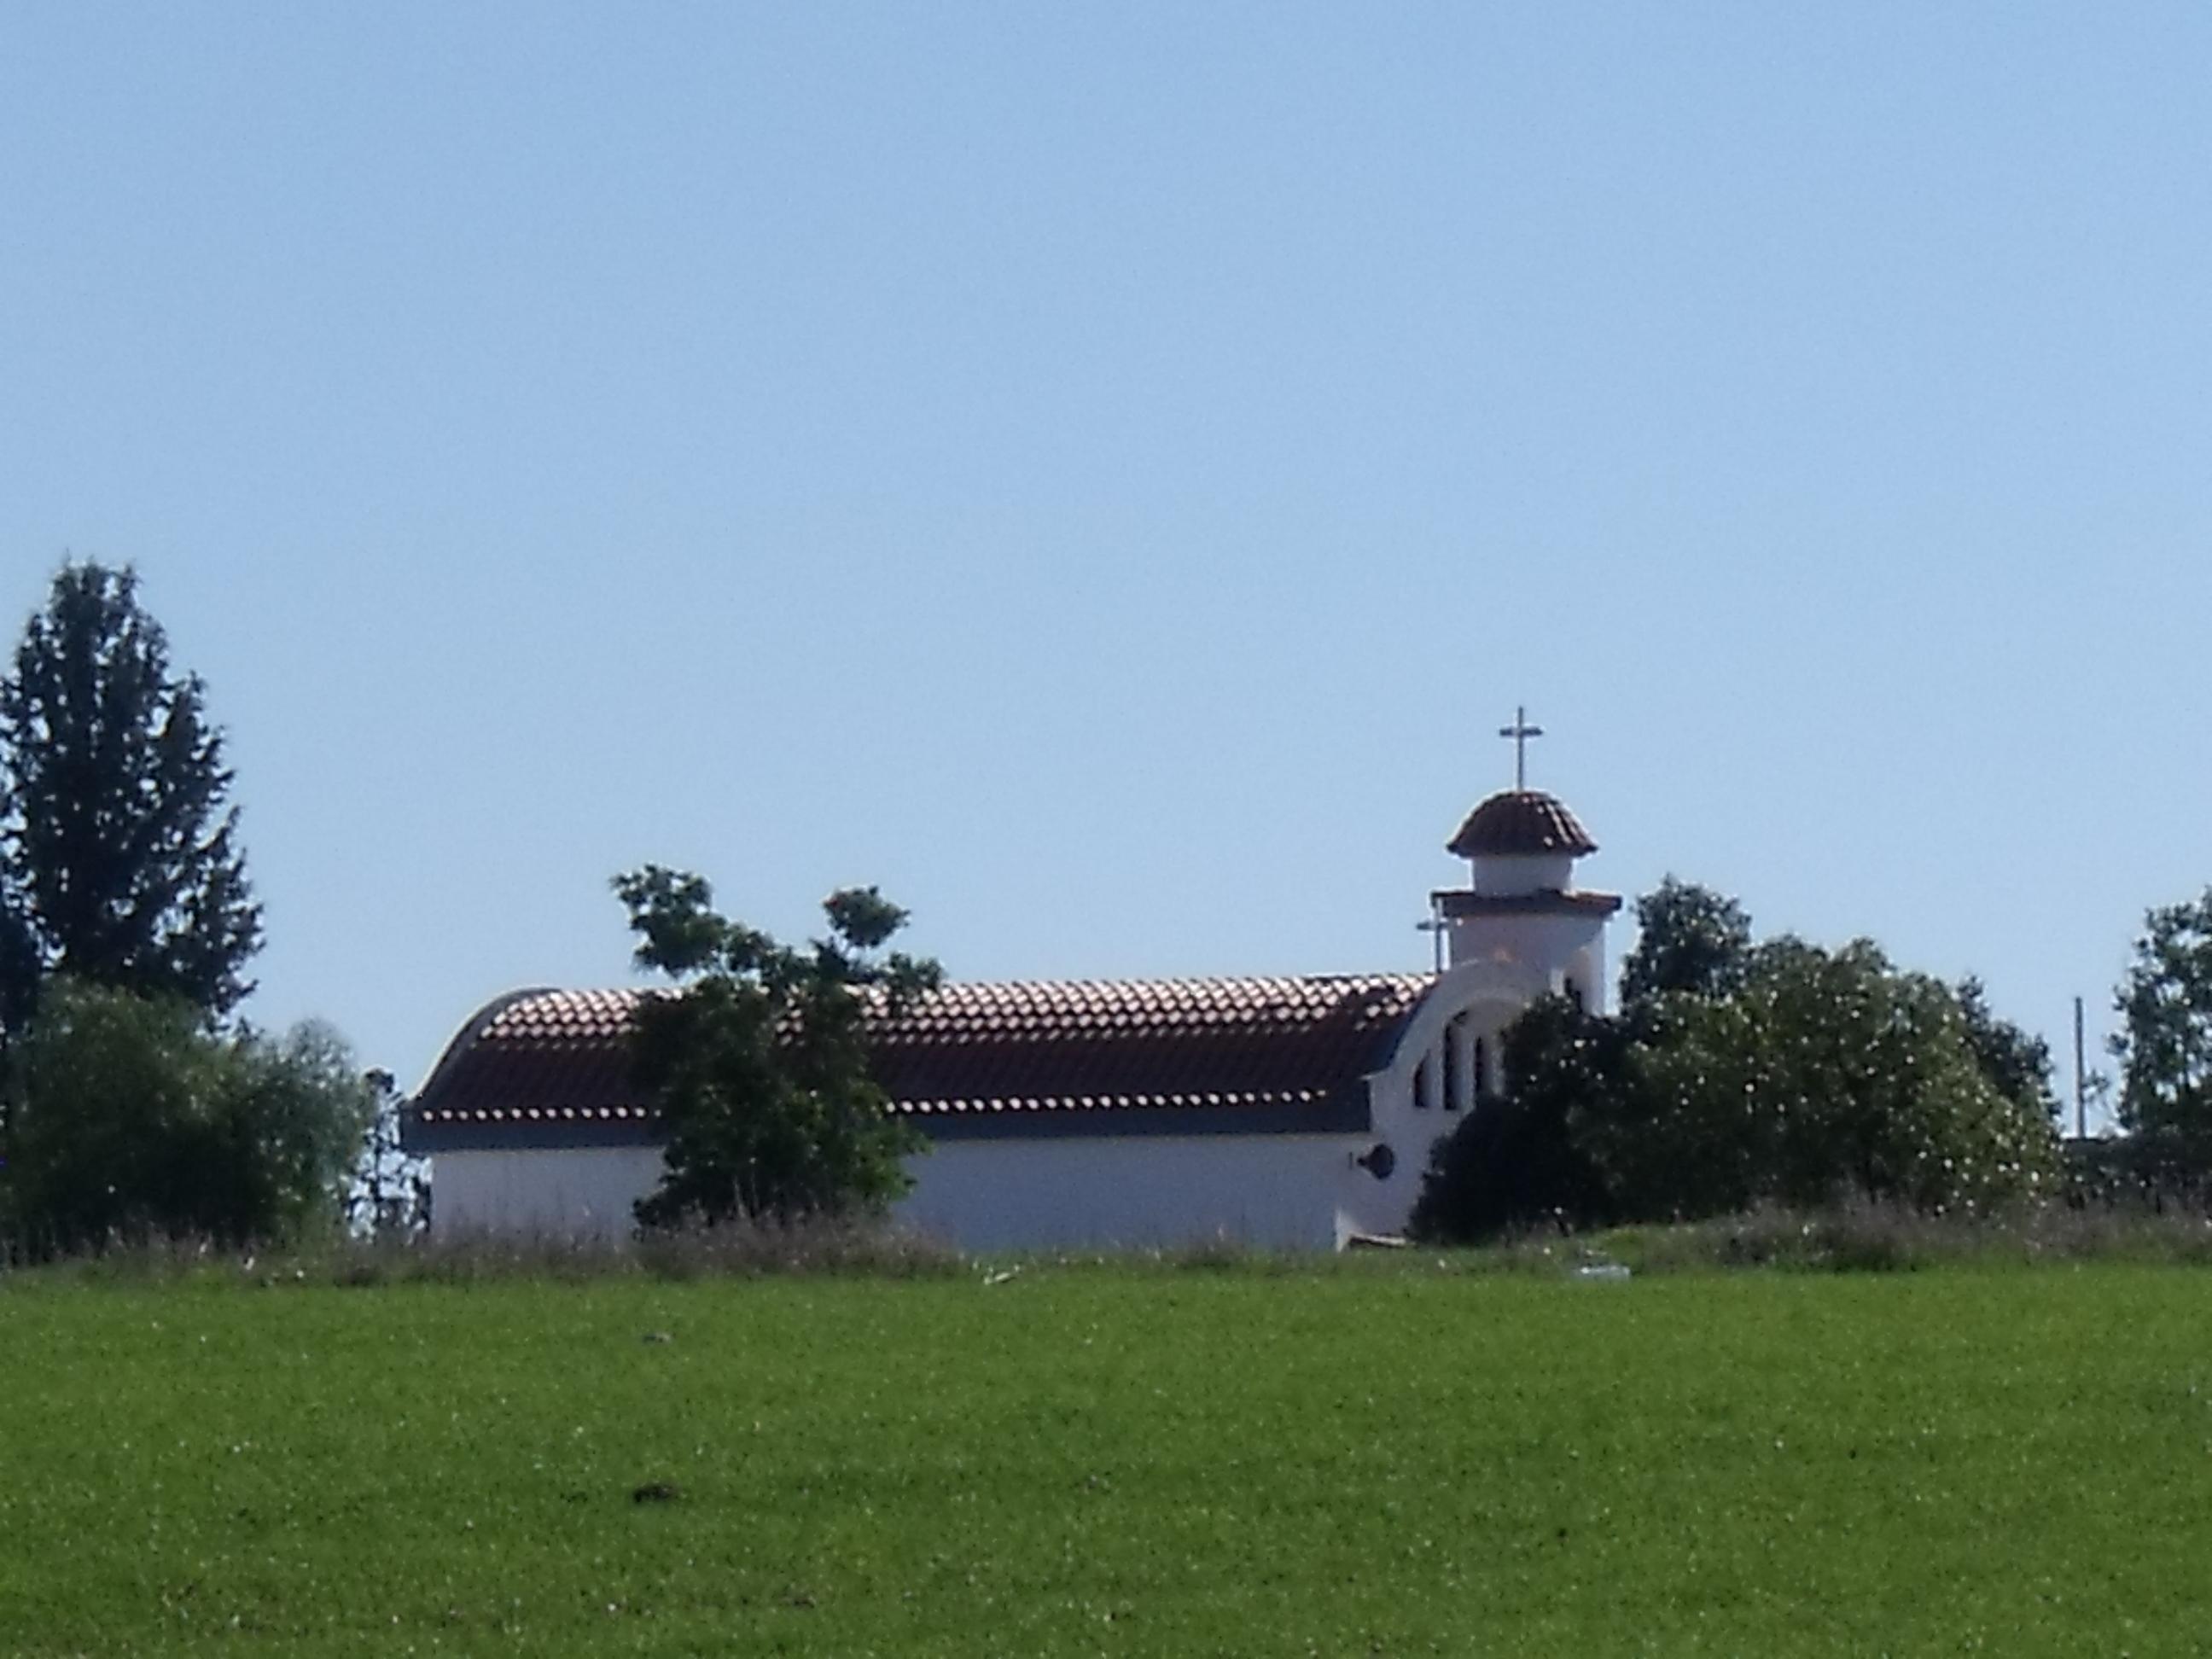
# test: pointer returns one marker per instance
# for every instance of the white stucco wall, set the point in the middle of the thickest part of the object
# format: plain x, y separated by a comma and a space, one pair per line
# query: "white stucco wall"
1474, 999
587, 1192
1588, 969
1553, 944
1544, 872
1272, 1190
1277, 1191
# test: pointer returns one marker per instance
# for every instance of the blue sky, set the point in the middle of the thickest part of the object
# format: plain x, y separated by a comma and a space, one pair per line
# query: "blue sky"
1104, 472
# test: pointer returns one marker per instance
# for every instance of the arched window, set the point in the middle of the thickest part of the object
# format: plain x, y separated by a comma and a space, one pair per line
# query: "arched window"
1481, 1067
1450, 1102
1421, 1084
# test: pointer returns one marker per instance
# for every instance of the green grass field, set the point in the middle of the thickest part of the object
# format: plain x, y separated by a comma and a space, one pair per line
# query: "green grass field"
1114, 1461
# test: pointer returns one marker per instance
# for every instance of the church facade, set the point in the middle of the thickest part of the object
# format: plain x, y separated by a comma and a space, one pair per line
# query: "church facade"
1284, 1112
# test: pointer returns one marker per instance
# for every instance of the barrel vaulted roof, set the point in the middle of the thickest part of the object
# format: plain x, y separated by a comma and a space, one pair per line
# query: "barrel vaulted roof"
1195, 1054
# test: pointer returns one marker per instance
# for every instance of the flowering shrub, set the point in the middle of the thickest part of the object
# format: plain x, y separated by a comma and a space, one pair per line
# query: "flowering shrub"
1782, 1075
1829, 1073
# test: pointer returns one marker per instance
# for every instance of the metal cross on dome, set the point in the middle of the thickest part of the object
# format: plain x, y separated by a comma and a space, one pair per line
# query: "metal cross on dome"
1519, 731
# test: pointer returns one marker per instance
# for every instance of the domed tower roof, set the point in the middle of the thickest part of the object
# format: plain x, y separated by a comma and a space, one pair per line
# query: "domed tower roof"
1521, 824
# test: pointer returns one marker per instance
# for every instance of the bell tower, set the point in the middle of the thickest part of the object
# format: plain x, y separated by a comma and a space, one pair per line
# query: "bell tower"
1521, 907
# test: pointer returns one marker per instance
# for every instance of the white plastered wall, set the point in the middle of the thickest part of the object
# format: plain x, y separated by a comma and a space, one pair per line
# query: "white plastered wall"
1541, 873
584, 1192
1277, 1191
1555, 946
1421, 1095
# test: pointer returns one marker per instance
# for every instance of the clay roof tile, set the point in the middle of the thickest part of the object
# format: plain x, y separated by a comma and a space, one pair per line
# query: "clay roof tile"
1521, 823
1082, 1045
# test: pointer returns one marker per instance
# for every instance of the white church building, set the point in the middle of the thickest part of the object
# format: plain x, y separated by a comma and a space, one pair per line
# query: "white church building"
1281, 1112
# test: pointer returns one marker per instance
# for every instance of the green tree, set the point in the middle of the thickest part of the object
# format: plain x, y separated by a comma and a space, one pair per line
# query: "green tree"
1666, 1152
388, 1195
1691, 940
2164, 1047
1828, 1072
119, 857
758, 1061
131, 1118
2016, 1063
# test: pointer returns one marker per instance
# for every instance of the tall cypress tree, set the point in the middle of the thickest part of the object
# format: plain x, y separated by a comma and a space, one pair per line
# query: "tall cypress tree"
119, 862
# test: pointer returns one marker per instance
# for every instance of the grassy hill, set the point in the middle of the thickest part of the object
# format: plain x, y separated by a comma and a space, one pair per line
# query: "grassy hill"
1407, 1460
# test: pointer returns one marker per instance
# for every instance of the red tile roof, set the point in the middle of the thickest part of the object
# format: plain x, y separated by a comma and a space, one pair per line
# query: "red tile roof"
1519, 823
556, 1062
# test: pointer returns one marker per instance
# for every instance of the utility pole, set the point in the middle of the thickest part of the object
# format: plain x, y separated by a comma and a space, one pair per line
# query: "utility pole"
2081, 1079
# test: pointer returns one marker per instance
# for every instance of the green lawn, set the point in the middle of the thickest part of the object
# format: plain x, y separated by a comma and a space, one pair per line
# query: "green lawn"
1102, 1461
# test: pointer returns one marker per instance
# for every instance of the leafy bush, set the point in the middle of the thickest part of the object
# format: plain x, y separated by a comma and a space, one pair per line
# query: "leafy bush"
129, 1119
1830, 1073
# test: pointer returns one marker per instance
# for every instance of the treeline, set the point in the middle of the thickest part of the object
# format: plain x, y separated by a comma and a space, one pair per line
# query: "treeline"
133, 1101
1740, 1073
